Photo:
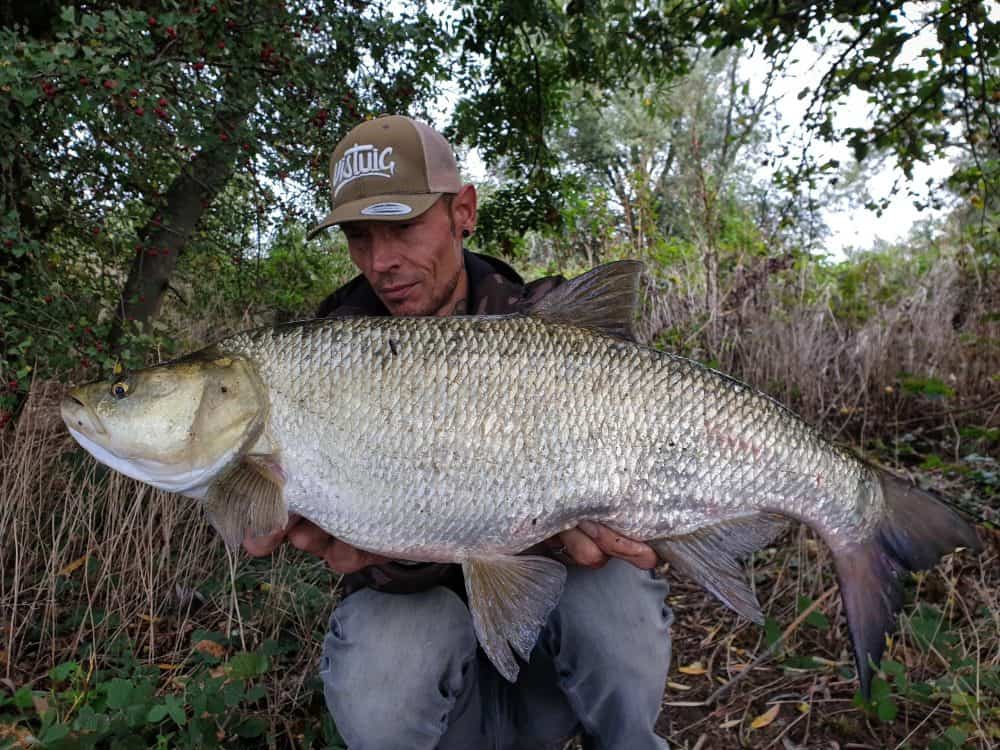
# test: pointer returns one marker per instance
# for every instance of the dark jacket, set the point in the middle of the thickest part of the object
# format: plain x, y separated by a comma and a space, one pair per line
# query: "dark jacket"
494, 289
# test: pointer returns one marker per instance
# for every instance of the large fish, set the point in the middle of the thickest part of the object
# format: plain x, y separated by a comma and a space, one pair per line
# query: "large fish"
470, 439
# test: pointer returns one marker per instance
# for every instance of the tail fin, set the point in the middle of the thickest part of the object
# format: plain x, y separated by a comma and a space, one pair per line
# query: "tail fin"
916, 531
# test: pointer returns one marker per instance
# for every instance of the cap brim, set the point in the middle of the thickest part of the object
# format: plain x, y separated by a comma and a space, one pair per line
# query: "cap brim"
389, 207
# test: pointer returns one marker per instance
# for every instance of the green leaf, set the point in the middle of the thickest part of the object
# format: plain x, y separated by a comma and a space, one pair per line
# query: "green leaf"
252, 727
119, 692
54, 733
233, 693
955, 736
62, 672
176, 710
886, 710
157, 714
893, 668
23, 698
772, 631
815, 619
247, 664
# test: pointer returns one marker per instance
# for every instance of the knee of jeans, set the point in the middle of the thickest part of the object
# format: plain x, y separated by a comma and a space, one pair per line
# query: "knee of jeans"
623, 610
414, 637
388, 651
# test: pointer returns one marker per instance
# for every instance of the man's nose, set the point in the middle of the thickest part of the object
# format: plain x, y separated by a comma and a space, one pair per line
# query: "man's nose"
384, 253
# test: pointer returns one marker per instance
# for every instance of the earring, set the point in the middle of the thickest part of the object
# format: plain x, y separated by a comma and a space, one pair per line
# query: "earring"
466, 233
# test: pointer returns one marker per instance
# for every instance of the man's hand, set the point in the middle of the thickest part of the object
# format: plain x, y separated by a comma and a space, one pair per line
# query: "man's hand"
591, 544
305, 535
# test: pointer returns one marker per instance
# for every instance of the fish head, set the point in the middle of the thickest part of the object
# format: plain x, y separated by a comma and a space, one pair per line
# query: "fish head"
175, 426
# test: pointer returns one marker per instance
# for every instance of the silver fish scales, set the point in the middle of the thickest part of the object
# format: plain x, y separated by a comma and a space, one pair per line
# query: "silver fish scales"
448, 438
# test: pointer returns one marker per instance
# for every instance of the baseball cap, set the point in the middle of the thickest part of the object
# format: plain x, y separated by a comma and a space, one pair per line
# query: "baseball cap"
392, 168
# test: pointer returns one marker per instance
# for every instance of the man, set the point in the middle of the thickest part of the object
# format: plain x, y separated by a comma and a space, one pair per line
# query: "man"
400, 666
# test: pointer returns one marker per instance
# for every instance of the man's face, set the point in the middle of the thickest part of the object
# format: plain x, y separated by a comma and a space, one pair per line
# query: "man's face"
414, 266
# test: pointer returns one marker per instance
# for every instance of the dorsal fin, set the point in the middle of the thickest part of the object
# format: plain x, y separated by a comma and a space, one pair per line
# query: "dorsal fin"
605, 298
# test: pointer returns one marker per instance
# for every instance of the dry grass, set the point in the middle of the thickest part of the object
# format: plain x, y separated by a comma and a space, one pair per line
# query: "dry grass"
787, 333
817, 707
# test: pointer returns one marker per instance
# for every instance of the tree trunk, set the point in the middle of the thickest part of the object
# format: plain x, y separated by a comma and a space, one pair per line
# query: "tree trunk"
166, 234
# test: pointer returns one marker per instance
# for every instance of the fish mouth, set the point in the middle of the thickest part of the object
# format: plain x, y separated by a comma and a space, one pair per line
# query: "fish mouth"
79, 417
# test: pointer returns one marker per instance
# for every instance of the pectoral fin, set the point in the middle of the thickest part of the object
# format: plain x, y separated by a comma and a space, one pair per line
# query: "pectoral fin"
510, 599
710, 555
250, 497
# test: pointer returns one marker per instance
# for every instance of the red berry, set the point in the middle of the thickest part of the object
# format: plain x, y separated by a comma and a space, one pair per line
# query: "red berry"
162, 101
171, 32
223, 137
84, 81
213, 9
8, 244
95, 231
198, 65
221, 45
84, 362
110, 83
48, 299
151, 21
230, 24
134, 93
12, 385
139, 111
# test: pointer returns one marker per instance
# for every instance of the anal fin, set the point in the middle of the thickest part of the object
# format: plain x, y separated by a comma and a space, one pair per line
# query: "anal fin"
249, 497
510, 598
711, 554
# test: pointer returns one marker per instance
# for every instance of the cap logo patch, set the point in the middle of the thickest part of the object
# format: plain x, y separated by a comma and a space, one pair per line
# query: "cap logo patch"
387, 209
362, 161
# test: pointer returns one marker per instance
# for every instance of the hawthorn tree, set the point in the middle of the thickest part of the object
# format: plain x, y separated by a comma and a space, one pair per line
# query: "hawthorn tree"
123, 124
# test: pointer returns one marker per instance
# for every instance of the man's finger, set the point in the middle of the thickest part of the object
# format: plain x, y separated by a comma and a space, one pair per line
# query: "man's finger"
613, 544
310, 538
343, 558
263, 544
581, 549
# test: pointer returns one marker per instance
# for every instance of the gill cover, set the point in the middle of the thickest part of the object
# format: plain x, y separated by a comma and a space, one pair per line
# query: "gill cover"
177, 425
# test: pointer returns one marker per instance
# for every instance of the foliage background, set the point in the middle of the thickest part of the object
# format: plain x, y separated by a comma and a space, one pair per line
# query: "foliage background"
163, 160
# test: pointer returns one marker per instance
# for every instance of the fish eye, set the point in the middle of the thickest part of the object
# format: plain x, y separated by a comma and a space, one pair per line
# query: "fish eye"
120, 389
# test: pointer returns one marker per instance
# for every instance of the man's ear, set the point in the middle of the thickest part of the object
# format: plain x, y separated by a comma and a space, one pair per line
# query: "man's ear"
463, 208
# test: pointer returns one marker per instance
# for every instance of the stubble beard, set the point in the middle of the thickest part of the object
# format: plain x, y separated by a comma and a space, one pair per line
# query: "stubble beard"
439, 300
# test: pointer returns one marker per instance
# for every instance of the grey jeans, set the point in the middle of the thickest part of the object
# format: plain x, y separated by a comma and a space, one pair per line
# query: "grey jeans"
403, 671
